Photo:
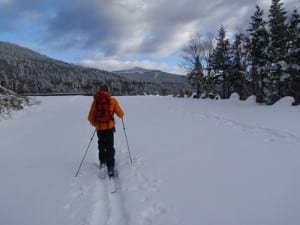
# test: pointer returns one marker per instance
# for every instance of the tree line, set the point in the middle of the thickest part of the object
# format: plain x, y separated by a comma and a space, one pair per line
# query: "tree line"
263, 61
29, 73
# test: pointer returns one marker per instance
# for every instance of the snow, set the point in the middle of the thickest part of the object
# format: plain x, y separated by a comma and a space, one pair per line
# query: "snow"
234, 96
134, 70
285, 101
194, 162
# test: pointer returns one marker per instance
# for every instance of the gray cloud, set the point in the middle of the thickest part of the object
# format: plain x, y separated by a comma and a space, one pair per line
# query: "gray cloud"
129, 27
149, 25
88, 25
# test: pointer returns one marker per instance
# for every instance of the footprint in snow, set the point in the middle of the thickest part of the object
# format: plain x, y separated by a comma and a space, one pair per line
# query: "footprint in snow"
153, 212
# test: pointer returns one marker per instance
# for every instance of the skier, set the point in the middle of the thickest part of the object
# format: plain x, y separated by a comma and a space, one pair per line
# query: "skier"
101, 115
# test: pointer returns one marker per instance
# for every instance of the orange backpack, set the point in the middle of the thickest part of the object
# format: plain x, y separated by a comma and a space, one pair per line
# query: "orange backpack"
103, 113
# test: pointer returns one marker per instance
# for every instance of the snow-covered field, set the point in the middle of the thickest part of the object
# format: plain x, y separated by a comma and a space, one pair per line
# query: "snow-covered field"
194, 162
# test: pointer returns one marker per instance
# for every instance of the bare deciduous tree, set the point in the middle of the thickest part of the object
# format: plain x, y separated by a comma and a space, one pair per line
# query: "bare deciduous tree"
199, 46
198, 50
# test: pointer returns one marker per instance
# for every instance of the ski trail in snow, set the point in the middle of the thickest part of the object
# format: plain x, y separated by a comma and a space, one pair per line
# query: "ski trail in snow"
117, 210
101, 211
108, 208
93, 204
269, 134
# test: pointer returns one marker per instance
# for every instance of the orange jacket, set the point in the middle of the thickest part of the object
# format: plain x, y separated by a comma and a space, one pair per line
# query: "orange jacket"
114, 108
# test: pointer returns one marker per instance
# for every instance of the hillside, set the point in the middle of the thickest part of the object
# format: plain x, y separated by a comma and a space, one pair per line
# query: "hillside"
28, 72
141, 74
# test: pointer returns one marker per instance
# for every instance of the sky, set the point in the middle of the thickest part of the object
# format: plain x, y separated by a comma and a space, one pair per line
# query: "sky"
121, 34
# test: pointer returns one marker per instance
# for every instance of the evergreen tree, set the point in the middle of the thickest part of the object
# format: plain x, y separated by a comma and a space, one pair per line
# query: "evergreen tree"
278, 31
220, 63
258, 42
195, 77
293, 55
277, 48
237, 78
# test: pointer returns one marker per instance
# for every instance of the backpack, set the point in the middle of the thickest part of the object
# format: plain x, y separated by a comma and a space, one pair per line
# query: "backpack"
103, 113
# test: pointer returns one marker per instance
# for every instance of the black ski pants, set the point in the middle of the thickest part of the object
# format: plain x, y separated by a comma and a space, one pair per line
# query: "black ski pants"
106, 147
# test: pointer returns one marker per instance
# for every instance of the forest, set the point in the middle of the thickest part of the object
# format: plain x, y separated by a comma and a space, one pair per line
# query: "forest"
263, 61
27, 72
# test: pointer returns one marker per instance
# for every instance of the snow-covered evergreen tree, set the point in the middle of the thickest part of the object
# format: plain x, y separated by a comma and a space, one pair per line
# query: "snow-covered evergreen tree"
220, 64
293, 55
277, 50
237, 78
196, 78
258, 42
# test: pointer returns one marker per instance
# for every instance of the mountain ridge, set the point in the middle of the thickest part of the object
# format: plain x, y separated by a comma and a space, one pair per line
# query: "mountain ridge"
28, 72
151, 75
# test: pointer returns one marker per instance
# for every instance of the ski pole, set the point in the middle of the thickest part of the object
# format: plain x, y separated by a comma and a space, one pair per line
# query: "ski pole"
85, 154
127, 142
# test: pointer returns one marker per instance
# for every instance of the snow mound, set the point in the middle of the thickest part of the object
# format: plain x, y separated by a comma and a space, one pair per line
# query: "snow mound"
217, 97
285, 101
234, 96
251, 100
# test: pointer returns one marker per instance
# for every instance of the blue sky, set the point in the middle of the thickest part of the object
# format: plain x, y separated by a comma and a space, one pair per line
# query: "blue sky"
120, 34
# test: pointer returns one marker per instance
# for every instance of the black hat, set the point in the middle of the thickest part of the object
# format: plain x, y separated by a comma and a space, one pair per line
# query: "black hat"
104, 88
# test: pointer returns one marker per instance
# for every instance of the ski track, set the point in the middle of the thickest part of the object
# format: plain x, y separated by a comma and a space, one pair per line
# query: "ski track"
101, 211
104, 208
269, 135
108, 208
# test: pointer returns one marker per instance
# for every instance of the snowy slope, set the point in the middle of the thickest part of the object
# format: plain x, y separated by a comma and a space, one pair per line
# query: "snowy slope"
194, 162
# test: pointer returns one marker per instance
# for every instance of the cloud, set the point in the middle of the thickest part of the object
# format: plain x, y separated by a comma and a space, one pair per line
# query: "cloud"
130, 27
124, 29
112, 63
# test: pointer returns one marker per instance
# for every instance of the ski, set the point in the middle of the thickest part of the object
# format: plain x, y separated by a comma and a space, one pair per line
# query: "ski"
112, 185
111, 178
103, 172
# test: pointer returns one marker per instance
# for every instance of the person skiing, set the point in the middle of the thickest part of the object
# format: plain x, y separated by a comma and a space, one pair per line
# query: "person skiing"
101, 115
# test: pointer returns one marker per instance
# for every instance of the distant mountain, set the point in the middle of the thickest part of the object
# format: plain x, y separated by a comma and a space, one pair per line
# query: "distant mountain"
141, 74
133, 70
25, 71
28, 72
